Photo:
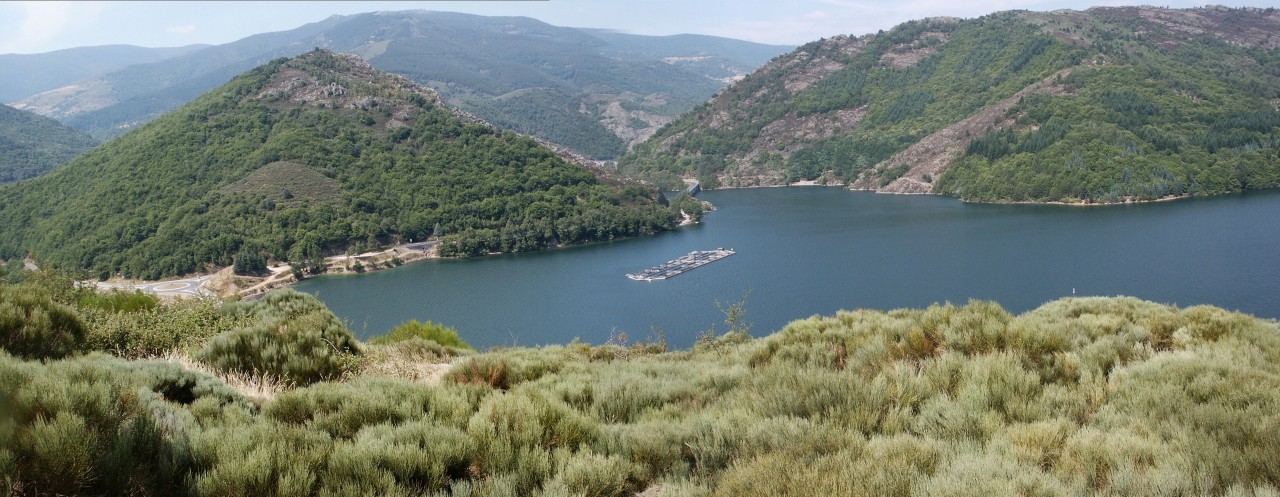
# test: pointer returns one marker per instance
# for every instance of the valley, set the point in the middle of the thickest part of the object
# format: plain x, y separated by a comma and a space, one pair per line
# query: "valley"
412, 253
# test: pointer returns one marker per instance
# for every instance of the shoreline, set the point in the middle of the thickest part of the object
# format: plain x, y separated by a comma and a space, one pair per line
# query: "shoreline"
223, 283
1168, 198
813, 183
215, 284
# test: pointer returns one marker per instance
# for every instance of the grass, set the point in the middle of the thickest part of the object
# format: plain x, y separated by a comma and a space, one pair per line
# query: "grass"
1083, 396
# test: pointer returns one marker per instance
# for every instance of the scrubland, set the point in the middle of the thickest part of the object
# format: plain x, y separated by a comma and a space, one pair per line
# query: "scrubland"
1082, 396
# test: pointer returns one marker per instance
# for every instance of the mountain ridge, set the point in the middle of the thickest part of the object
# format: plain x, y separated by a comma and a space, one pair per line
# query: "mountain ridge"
396, 163
472, 60
49, 70
1106, 105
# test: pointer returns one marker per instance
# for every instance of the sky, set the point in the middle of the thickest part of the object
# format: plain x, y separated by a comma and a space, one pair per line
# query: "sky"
43, 26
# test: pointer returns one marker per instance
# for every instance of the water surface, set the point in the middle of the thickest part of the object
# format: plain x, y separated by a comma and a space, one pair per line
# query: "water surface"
806, 251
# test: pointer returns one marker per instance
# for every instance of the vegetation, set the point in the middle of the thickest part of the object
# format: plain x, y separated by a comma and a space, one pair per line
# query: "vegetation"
516, 72
294, 337
265, 169
1097, 396
33, 326
1157, 123
549, 114
440, 334
31, 145
1114, 105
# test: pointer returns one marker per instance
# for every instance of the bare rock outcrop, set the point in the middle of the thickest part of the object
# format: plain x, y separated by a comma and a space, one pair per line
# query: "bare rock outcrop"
930, 157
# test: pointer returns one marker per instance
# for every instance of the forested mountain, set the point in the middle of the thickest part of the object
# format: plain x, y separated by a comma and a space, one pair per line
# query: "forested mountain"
31, 144
48, 71
1104, 105
588, 90
303, 157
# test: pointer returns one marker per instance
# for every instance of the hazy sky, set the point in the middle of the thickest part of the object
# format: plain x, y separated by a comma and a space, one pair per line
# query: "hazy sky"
33, 27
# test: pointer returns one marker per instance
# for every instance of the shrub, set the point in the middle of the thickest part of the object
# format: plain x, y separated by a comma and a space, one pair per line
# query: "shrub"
342, 410
1080, 397
98, 425
418, 456
119, 301
295, 337
438, 333
178, 324
515, 433
33, 326
485, 369
593, 475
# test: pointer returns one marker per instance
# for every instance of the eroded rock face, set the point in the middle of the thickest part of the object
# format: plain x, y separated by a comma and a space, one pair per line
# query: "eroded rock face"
929, 157
776, 114
909, 54
360, 88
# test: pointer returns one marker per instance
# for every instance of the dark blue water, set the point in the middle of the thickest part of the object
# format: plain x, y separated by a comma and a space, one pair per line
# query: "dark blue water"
806, 251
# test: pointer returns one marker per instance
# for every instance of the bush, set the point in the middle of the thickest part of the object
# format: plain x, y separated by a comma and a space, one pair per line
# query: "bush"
342, 410
98, 425
178, 324
862, 403
294, 338
119, 301
438, 333
593, 475
33, 326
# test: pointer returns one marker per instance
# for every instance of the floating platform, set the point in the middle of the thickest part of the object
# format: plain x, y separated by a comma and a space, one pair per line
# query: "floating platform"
670, 269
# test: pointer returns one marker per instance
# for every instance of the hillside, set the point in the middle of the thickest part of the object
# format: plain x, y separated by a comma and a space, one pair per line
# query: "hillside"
593, 93
1104, 105
301, 158
1083, 396
51, 70
31, 144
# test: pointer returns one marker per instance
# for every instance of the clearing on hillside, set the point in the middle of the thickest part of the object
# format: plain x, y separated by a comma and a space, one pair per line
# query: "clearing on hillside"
289, 182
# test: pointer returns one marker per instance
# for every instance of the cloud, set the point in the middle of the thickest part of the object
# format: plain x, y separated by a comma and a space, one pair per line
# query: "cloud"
31, 27
184, 29
41, 23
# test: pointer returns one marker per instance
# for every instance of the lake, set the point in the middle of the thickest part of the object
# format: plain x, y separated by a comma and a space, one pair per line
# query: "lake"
811, 250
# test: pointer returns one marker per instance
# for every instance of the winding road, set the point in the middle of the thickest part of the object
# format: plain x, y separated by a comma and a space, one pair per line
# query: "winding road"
188, 287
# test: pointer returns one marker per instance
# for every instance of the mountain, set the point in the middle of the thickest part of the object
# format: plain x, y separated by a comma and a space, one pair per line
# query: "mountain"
31, 144
1104, 105
588, 90
304, 157
53, 70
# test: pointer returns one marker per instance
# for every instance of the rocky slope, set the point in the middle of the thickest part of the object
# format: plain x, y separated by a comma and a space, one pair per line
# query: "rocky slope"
1102, 105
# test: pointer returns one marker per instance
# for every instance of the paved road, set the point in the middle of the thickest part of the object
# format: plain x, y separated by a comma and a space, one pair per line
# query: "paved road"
189, 287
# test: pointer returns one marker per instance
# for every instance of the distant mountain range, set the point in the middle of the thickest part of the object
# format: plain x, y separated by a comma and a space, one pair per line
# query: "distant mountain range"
305, 157
53, 70
592, 91
1103, 105
31, 144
